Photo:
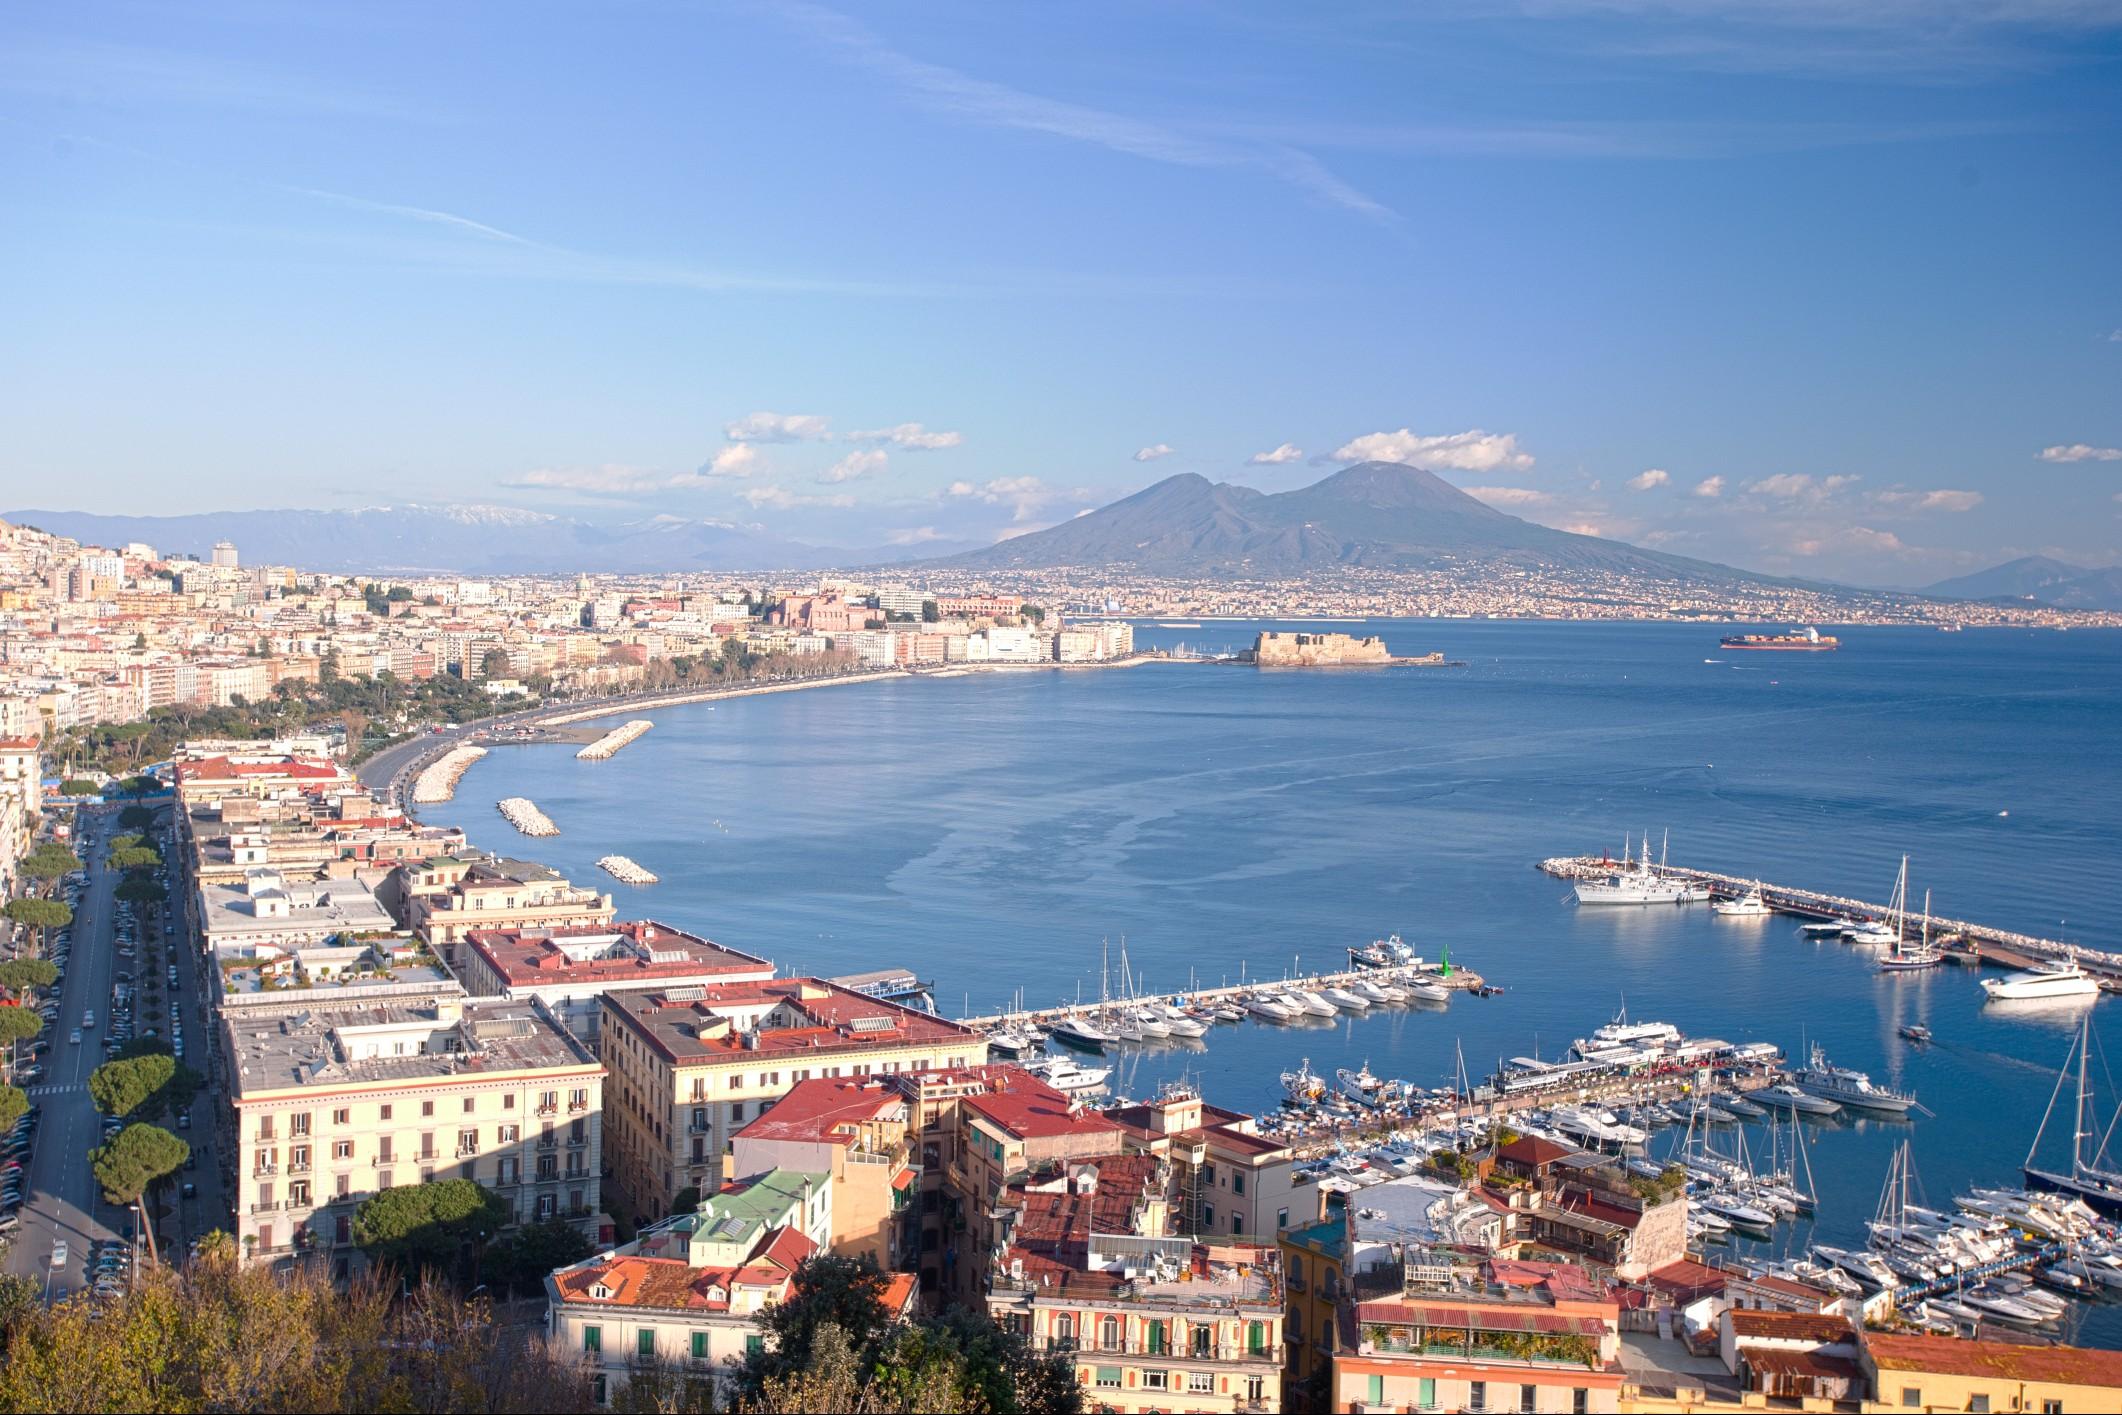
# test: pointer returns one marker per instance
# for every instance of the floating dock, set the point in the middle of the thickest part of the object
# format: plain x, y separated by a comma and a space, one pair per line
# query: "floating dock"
607, 746
438, 782
1982, 941
526, 817
624, 870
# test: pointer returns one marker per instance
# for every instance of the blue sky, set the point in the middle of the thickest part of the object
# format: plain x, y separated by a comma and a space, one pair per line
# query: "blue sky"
1801, 286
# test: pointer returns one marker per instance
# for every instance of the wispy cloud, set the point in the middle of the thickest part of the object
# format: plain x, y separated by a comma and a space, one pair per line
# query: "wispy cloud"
1025, 496
2081, 452
961, 95
609, 479
853, 467
1155, 450
777, 427
910, 437
739, 459
1647, 480
1472, 451
129, 75
780, 498
912, 535
1709, 488
1902, 499
1509, 495
1287, 452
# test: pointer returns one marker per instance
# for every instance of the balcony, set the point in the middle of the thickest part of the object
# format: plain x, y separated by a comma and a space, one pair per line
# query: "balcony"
547, 1110
466, 1152
267, 1207
577, 1107
1164, 1351
298, 1167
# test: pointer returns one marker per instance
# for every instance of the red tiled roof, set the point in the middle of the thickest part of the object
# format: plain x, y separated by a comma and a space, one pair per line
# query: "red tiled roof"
1788, 1326
1592, 1206
222, 769
1687, 1279
1028, 1108
531, 957
1531, 1150
1057, 1222
1481, 1316
824, 1110
1564, 1281
665, 1023
1998, 1360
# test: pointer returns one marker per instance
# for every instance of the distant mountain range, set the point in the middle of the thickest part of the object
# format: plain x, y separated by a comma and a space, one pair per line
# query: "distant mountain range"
471, 540
1374, 514
2041, 580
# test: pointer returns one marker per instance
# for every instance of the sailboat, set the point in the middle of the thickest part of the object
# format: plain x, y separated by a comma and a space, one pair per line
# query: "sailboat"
1900, 958
2090, 1177
1877, 931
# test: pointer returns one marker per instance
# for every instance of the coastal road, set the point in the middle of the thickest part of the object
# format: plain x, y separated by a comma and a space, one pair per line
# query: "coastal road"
61, 1200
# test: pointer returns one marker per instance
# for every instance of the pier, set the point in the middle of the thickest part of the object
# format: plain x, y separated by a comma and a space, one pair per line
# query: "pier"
438, 782
1975, 942
1459, 979
607, 746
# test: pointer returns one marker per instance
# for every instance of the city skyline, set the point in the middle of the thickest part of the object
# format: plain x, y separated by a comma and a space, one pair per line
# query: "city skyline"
1779, 288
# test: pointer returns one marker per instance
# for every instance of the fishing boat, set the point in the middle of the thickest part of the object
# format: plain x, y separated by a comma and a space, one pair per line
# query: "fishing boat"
1390, 952
1361, 1084
1303, 1086
2044, 982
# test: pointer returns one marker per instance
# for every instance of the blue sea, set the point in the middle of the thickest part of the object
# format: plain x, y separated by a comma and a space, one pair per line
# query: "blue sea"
995, 831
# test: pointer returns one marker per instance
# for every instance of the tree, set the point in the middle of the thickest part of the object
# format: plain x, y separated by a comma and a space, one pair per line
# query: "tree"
845, 1294
142, 1046
930, 613
523, 1258
50, 861
21, 974
13, 1106
135, 857
39, 913
78, 786
685, 1201
140, 890
143, 1087
134, 1160
495, 664
427, 1225
18, 1024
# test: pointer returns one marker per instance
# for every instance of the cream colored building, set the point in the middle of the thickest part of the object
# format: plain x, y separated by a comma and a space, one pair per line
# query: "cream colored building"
339, 1097
691, 1066
446, 898
21, 790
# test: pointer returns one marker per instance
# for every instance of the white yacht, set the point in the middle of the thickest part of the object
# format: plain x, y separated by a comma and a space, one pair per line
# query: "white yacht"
2047, 980
1065, 1075
1369, 991
1389, 952
1185, 1026
1271, 1009
1423, 990
1150, 1024
1347, 999
1311, 1004
1789, 1097
1637, 881
1749, 905
1078, 1030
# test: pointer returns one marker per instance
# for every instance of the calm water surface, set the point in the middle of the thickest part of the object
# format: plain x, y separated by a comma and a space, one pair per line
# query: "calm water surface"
990, 830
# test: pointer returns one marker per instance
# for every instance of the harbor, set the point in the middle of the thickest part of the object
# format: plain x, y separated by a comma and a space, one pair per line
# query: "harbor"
1956, 940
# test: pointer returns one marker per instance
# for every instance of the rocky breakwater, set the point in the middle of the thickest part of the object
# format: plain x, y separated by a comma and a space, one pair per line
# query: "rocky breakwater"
609, 744
438, 782
520, 813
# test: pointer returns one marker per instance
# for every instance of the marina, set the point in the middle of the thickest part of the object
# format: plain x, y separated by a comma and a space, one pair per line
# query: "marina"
610, 744
1860, 921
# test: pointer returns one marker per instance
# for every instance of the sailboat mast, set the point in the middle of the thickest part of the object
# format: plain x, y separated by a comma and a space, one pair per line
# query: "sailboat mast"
2077, 1144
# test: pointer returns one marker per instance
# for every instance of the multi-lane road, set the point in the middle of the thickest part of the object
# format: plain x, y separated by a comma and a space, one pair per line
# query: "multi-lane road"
62, 1201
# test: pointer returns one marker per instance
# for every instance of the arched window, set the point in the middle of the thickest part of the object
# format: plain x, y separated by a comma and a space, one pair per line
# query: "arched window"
1065, 1328
1109, 1333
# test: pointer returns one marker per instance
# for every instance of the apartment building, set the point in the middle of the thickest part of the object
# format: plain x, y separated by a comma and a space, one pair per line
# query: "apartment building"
1227, 1177
21, 798
570, 968
1084, 1264
1940, 1373
854, 1134
691, 1066
1436, 1331
336, 1097
689, 1290
449, 896
265, 911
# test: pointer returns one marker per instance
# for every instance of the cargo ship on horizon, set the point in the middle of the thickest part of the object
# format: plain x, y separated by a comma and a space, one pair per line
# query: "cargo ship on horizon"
1810, 641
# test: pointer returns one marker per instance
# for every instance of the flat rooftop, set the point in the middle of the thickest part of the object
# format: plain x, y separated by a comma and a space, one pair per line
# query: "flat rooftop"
336, 970
367, 1044
334, 905
635, 953
778, 1019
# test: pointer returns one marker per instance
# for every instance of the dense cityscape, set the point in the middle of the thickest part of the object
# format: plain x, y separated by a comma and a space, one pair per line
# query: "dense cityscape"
342, 1055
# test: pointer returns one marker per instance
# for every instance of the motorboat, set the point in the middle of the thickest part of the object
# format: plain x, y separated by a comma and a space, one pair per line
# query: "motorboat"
1064, 1074
1749, 905
1846, 1086
1872, 931
1271, 1009
1150, 1025
1738, 1212
1346, 999
1227, 1013
1369, 991
1741, 1106
1869, 1269
1916, 1032
2043, 982
1187, 1027
1423, 990
1311, 1004
1789, 1097
1825, 928
1079, 1031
